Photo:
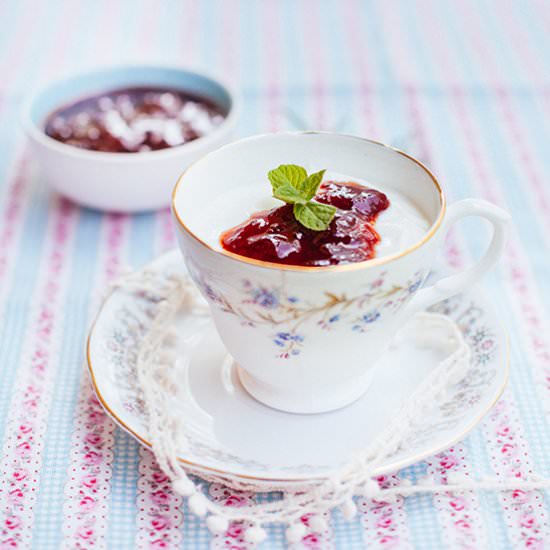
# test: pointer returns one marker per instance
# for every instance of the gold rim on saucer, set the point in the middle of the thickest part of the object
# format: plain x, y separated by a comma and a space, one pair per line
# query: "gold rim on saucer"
387, 468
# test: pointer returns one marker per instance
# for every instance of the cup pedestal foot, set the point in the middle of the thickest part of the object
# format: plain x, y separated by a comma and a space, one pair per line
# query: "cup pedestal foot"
306, 401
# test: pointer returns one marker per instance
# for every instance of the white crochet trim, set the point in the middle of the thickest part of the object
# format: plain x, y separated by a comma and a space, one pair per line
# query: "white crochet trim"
155, 370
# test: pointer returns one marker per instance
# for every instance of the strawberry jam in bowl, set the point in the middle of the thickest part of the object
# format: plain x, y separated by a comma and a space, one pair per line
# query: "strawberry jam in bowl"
311, 250
116, 139
134, 120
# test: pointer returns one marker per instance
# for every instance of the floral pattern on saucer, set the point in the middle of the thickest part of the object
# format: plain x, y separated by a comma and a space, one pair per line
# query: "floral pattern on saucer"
128, 314
468, 392
122, 346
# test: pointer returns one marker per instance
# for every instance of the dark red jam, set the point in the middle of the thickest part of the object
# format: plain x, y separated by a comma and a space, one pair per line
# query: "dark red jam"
133, 120
276, 236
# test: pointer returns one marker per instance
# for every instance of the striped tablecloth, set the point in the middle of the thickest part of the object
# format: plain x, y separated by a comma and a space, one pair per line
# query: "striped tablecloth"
463, 85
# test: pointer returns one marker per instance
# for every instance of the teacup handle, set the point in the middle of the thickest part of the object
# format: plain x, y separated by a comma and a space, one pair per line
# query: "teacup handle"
448, 286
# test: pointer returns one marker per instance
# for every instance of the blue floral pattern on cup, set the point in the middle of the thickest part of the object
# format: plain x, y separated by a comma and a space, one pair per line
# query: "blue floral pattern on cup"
288, 315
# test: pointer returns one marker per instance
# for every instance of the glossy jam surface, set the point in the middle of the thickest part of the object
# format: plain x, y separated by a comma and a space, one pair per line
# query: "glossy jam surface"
134, 120
275, 235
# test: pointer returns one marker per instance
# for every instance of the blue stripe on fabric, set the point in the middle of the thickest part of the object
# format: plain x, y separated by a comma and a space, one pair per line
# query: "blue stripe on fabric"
172, 24
408, 14
10, 16
492, 520
126, 45
208, 35
421, 515
295, 114
122, 526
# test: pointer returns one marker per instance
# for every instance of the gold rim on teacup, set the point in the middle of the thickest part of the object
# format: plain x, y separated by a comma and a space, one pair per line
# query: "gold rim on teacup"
346, 267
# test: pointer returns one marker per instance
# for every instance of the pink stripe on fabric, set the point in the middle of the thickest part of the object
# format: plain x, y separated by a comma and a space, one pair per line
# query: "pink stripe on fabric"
422, 148
16, 202
86, 493
316, 540
520, 140
542, 12
399, 50
165, 231
147, 33
489, 52
271, 64
352, 13
26, 425
385, 523
529, 58
437, 45
479, 46
524, 511
458, 513
314, 43
190, 27
159, 516
233, 538
229, 42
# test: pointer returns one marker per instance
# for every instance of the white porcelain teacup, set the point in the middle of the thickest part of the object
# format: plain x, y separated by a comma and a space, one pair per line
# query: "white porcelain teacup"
306, 339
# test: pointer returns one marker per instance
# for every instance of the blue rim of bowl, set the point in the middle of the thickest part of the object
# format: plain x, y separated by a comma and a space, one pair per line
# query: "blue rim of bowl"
37, 133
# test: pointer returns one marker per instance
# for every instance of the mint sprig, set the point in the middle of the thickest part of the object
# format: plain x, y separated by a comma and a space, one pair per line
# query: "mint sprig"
291, 184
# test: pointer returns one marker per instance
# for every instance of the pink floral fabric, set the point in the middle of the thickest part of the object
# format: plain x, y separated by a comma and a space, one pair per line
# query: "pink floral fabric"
463, 86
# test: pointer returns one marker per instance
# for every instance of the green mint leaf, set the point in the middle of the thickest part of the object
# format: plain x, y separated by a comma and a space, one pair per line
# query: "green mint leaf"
289, 194
314, 215
292, 185
309, 186
290, 174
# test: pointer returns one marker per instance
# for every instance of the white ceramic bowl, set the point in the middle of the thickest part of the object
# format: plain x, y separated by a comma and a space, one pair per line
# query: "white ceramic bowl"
122, 182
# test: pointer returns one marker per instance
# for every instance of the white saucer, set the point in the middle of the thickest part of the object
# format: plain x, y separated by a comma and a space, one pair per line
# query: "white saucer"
234, 436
